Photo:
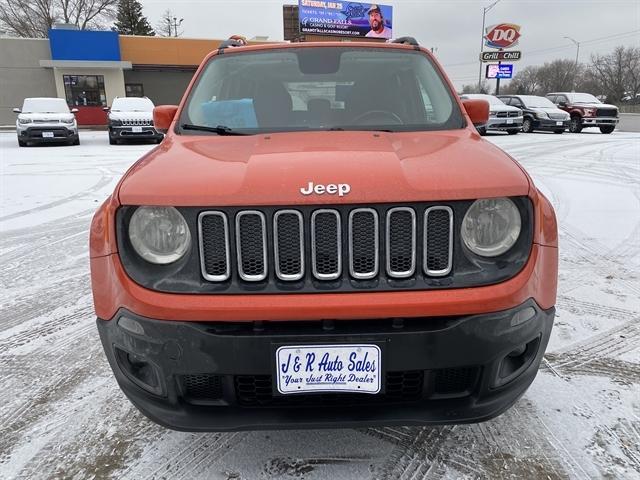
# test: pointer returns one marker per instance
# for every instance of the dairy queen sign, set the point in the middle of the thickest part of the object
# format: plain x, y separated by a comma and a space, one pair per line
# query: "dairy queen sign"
504, 35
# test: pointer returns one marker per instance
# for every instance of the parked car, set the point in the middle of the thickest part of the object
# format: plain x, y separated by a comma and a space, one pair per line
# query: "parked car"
131, 118
46, 120
586, 111
289, 263
502, 117
539, 113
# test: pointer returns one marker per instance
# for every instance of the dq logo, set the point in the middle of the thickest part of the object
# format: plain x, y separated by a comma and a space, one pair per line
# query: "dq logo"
504, 35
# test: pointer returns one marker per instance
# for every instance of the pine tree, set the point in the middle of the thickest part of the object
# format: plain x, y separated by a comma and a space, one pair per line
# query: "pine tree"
131, 21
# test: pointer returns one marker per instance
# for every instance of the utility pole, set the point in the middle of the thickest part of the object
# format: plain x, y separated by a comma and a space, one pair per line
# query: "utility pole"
484, 15
575, 73
176, 24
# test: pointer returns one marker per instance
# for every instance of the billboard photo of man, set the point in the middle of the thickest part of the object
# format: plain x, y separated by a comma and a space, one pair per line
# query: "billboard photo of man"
376, 22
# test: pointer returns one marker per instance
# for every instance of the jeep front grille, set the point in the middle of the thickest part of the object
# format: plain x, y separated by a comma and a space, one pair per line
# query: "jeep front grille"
136, 122
326, 244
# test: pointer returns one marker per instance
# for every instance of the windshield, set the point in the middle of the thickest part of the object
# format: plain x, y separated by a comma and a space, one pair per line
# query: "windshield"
132, 104
537, 102
44, 105
489, 98
321, 88
583, 98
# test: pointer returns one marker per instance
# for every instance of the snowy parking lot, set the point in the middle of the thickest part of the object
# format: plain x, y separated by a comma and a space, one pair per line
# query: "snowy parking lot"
62, 414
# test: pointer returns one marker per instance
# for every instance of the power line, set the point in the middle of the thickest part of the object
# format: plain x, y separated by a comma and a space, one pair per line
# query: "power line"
616, 36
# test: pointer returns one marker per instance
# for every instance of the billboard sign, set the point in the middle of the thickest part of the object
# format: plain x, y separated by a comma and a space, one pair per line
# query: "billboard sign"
347, 19
499, 56
503, 35
503, 70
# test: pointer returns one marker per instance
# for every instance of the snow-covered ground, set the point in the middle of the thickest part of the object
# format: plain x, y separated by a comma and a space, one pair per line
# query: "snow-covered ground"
63, 416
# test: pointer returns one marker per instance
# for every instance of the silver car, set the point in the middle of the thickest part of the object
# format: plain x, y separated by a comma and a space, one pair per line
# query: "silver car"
501, 117
46, 120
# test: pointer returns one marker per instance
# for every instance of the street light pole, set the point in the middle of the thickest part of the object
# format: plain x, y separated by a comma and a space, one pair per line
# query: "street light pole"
575, 73
176, 24
577, 43
484, 15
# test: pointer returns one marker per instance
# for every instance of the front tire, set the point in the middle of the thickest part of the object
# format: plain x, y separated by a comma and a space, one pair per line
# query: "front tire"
559, 131
112, 141
527, 126
513, 131
607, 129
575, 125
22, 143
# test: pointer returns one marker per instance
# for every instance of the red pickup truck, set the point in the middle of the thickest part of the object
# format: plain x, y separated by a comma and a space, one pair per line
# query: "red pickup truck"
586, 111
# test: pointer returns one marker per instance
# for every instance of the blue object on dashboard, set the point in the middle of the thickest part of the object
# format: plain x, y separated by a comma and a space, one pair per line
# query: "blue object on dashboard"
230, 113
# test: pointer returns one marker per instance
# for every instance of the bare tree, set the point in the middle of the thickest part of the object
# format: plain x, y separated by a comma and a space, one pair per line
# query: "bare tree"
617, 73
34, 18
559, 76
525, 82
484, 88
168, 25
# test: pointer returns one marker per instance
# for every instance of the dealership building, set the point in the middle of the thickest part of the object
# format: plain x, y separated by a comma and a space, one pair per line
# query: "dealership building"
91, 68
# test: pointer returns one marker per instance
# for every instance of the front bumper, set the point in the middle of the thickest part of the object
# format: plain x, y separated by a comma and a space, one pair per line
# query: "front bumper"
550, 124
599, 121
218, 376
132, 132
499, 123
45, 134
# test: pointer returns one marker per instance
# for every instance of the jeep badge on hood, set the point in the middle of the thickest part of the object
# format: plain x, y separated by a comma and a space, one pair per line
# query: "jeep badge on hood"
332, 188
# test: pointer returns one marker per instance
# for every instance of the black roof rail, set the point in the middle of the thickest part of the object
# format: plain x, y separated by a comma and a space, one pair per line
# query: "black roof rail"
406, 41
232, 41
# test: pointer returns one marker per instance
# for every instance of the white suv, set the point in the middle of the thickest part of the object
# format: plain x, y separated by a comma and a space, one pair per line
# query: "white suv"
132, 118
46, 120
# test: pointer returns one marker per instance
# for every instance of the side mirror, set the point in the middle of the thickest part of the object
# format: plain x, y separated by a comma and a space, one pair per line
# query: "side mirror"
17, 110
562, 104
163, 116
478, 111
74, 110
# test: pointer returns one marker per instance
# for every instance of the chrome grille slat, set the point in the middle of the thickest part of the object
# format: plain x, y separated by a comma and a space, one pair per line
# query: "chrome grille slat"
401, 242
213, 233
364, 243
326, 244
438, 241
288, 244
251, 245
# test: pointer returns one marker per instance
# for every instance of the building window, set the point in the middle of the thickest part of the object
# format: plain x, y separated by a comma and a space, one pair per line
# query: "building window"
134, 90
85, 90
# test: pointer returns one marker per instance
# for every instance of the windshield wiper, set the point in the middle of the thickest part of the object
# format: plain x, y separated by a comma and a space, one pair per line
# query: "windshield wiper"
220, 129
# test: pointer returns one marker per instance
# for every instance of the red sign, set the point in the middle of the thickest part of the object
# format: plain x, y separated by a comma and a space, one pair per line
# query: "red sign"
505, 35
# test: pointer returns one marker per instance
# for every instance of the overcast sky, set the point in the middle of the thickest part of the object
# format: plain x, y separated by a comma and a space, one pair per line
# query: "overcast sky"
453, 27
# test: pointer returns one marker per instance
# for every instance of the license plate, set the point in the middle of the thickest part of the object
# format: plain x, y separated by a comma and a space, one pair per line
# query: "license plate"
136, 129
328, 368
510, 121
559, 123
47, 134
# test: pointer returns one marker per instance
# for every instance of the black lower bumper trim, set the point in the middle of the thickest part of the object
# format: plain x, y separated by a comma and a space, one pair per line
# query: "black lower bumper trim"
218, 376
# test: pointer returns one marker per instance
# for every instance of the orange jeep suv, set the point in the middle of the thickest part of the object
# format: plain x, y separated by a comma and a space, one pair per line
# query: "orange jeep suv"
323, 239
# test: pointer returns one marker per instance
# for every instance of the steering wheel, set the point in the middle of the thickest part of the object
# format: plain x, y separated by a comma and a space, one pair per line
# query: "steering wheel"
396, 119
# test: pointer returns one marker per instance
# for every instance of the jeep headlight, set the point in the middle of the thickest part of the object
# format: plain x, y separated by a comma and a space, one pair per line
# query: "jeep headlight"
491, 226
24, 121
68, 121
160, 235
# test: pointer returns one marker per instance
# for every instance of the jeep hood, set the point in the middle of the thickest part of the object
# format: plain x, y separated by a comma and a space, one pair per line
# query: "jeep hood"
211, 170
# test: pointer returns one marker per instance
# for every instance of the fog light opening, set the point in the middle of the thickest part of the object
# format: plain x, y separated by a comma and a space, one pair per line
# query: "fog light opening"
517, 361
139, 371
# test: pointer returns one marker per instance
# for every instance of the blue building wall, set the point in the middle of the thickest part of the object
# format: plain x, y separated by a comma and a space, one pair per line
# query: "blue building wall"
84, 45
